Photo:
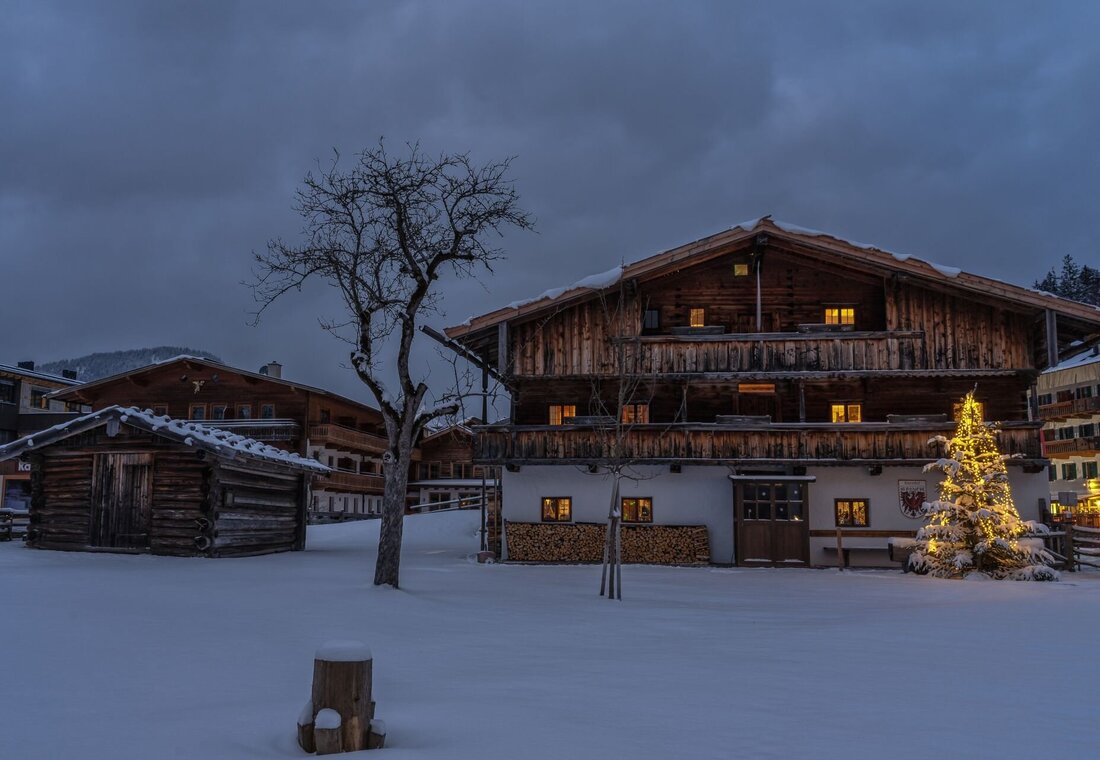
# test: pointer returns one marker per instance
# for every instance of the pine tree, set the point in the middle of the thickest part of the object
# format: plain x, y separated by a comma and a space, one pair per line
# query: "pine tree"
1078, 282
974, 526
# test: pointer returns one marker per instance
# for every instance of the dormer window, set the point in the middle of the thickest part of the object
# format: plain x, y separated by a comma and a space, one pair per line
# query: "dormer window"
697, 317
840, 315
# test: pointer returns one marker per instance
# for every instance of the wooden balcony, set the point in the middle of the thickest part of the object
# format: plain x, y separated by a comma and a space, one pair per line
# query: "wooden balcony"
351, 482
1060, 410
813, 443
1076, 447
260, 430
335, 436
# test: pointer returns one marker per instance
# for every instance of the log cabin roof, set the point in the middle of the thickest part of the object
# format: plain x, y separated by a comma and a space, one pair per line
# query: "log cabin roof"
74, 393
218, 442
817, 243
21, 372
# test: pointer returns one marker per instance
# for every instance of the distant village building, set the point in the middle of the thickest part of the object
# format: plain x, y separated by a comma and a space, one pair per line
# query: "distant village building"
785, 386
124, 479
446, 476
1069, 404
26, 406
345, 435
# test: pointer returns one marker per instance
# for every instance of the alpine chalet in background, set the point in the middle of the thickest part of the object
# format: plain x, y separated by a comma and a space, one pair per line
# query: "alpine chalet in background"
778, 384
1069, 404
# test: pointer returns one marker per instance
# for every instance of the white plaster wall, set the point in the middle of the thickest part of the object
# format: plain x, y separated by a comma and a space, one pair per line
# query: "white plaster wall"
695, 496
704, 496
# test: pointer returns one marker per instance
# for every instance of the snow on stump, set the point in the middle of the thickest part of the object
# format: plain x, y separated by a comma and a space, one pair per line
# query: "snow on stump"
339, 715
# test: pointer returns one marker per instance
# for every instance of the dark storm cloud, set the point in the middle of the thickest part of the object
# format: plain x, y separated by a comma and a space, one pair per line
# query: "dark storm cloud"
147, 148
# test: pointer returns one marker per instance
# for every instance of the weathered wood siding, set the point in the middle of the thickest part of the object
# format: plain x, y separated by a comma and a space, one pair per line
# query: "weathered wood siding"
61, 494
258, 512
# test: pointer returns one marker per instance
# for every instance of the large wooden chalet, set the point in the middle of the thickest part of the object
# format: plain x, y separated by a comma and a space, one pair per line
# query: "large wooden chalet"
783, 384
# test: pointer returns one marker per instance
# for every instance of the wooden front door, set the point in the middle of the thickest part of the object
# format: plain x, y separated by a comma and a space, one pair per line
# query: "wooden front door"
771, 525
122, 486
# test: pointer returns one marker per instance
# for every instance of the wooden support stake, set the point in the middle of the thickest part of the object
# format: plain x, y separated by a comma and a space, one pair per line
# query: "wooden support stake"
377, 737
305, 729
840, 563
1071, 559
342, 683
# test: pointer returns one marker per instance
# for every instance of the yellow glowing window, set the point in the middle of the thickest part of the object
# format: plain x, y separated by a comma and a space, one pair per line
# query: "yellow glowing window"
697, 318
846, 412
851, 513
840, 315
557, 509
740, 270
636, 414
639, 510
756, 387
559, 412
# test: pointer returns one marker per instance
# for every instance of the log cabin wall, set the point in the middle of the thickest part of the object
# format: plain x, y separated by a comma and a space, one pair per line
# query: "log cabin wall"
198, 505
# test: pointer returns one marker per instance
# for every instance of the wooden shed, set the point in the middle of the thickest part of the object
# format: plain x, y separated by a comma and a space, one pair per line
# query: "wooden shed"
127, 480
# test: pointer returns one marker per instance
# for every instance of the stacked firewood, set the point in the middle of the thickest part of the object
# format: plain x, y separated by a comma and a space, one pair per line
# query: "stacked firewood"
584, 542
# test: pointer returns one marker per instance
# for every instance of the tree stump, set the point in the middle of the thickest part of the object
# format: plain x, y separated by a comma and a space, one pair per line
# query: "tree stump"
341, 685
377, 737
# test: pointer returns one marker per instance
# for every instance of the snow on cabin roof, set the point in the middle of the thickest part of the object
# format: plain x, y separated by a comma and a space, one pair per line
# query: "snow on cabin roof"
60, 379
1083, 359
216, 441
744, 231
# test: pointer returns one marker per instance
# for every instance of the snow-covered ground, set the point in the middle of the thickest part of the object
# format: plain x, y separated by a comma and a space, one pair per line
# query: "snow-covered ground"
110, 656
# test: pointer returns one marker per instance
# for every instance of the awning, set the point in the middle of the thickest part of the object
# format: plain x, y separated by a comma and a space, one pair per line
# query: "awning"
776, 478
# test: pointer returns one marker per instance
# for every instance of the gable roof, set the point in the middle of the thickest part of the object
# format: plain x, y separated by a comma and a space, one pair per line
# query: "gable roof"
184, 359
8, 369
721, 243
218, 442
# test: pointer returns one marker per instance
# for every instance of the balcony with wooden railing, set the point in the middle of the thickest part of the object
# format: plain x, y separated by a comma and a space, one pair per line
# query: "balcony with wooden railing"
335, 436
267, 431
812, 443
1085, 446
1080, 407
352, 482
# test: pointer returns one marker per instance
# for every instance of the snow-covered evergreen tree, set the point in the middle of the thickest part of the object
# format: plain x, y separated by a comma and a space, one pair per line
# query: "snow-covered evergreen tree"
974, 526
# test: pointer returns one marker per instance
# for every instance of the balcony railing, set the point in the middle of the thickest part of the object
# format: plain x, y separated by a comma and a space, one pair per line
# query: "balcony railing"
1081, 447
260, 430
354, 482
340, 437
819, 443
1081, 407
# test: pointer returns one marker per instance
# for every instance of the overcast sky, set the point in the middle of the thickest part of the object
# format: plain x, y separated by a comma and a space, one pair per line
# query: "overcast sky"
147, 148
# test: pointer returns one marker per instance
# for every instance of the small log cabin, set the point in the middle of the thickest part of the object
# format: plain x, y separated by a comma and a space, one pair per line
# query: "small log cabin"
126, 480
772, 385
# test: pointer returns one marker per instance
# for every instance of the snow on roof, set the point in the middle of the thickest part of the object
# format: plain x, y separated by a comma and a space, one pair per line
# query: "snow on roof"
591, 282
40, 375
215, 440
1080, 360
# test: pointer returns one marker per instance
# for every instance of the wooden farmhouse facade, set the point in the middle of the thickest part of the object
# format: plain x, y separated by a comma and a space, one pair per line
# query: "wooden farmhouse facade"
762, 388
1069, 404
345, 435
123, 479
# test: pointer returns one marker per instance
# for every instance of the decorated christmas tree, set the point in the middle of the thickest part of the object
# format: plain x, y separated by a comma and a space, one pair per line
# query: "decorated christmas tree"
974, 526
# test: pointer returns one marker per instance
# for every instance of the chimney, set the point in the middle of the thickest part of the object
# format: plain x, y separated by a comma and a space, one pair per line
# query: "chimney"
272, 369
68, 374
27, 366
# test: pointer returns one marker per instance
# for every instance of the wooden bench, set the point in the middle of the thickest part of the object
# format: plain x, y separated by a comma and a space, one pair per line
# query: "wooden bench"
847, 551
900, 551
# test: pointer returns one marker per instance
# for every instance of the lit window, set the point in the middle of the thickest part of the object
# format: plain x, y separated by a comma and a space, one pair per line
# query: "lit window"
851, 513
636, 414
267, 411
697, 318
557, 509
756, 387
639, 510
559, 412
741, 269
840, 315
845, 412
197, 412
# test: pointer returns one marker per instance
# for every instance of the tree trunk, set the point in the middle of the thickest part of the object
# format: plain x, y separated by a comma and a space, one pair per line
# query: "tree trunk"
388, 567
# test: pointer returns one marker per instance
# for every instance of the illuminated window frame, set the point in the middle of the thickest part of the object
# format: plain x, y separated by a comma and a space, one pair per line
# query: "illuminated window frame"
557, 413
840, 315
697, 316
635, 414
557, 508
637, 509
852, 513
846, 412
741, 269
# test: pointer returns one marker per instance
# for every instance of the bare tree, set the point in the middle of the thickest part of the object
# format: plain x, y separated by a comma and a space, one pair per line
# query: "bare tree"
381, 233
619, 404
